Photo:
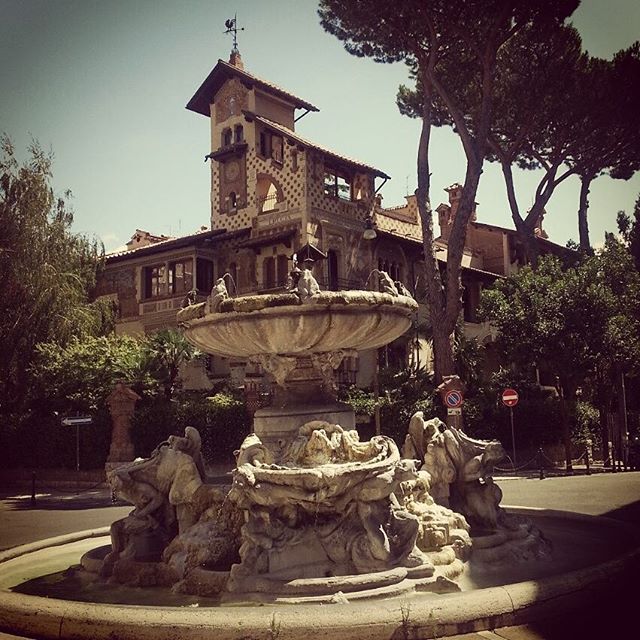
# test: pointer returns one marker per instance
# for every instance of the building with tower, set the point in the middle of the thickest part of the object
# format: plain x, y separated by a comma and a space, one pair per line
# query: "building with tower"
275, 194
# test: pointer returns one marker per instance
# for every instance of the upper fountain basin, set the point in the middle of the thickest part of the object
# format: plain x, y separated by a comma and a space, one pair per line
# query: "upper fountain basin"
280, 324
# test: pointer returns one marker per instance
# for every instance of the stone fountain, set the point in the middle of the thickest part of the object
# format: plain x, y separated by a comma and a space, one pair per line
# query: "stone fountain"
313, 514
300, 338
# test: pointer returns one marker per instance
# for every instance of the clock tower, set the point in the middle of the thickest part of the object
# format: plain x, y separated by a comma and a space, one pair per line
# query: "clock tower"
251, 161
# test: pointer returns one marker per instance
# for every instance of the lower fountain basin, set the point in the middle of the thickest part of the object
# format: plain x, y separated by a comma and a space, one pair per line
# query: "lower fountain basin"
592, 554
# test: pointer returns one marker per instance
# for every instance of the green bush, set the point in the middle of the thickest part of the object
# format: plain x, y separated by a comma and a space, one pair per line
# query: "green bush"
402, 393
222, 420
536, 417
361, 401
587, 424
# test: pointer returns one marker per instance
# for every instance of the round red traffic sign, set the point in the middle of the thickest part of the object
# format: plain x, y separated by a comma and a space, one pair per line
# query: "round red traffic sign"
510, 397
453, 398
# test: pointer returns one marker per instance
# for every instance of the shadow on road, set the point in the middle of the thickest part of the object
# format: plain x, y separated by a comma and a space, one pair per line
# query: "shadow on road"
62, 502
629, 513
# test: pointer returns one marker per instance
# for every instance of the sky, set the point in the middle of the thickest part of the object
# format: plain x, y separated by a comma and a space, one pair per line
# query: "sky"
104, 84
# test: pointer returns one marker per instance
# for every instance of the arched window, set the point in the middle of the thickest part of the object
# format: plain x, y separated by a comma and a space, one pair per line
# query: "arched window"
238, 133
333, 282
227, 137
268, 194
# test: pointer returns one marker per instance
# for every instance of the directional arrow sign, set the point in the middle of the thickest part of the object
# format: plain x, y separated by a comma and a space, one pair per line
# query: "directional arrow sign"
510, 397
77, 420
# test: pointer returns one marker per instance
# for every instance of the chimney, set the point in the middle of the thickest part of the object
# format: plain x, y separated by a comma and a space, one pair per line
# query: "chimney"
455, 194
236, 59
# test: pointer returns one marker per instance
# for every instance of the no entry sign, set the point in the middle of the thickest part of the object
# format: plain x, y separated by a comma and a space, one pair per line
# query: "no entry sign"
510, 397
453, 398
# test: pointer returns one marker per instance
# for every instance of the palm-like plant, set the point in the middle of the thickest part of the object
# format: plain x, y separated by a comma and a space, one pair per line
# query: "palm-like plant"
167, 350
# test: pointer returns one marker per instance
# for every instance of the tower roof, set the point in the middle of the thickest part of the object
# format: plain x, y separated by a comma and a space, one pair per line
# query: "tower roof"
295, 138
222, 72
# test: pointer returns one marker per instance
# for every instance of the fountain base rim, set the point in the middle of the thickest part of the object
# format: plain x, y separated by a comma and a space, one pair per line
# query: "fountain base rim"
433, 615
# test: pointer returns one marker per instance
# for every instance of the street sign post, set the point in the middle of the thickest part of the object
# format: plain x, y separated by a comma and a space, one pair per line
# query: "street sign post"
77, 422
510, 399
453, 400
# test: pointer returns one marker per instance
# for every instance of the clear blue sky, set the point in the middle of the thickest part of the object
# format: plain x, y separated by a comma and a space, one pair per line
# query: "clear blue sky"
104, 84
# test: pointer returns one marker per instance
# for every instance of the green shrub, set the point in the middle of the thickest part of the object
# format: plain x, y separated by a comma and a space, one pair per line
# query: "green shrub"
536, 417
361, 401
402, 393
587, 424
222, 420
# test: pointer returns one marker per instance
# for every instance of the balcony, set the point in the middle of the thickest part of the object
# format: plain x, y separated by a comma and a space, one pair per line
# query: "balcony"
270, 203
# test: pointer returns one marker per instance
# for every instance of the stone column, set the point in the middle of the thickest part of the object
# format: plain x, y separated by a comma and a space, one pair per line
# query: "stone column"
121, 402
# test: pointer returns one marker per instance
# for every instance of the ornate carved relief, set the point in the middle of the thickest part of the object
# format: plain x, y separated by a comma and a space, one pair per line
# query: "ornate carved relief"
230, 100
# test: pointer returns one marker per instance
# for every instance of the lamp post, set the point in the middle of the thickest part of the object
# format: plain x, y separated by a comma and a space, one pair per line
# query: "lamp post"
369, 232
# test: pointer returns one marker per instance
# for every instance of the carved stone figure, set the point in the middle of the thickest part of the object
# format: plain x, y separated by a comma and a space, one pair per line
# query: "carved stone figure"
218, 295
307, 285
326, 363
294, 278
402, 290
278, 366
386, 283
171, 500
460, 467
189, 299
439, 526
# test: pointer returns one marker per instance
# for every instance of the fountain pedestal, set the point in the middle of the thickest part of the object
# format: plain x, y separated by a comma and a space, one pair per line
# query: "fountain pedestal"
305, 392
300, 343
277, 426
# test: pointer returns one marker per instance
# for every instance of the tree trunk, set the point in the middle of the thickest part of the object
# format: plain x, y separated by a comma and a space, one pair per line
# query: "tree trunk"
566, 427
444, 363
622, 439
604, 435
583, 208
442, 348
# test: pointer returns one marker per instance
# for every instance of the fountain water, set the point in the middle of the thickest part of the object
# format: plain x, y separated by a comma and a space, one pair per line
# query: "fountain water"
314, 515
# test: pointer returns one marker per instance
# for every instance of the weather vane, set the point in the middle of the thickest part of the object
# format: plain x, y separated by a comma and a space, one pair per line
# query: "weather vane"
232, 27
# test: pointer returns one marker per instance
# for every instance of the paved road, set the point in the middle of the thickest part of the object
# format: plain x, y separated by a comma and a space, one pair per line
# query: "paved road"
54, 515
614, 495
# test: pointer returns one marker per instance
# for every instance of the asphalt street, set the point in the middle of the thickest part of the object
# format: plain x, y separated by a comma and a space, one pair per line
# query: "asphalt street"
54, 515
615, 495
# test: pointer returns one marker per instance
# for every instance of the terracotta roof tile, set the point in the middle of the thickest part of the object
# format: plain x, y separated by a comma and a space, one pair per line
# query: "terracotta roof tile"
292, 135
203, 97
